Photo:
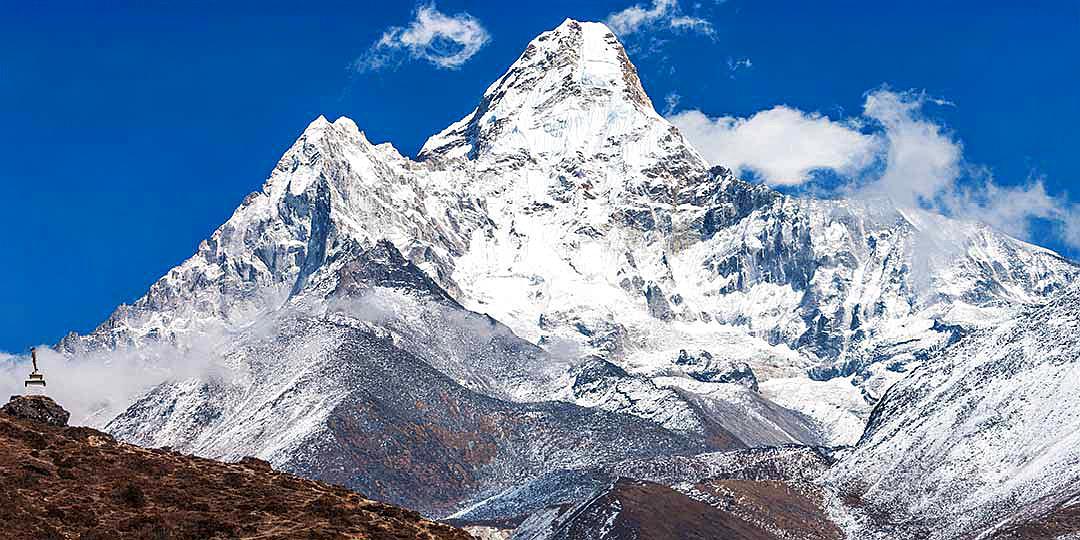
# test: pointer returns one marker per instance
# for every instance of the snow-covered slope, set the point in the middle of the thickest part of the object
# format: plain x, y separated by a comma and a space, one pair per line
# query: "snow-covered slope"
330, 190
977, 437
319, 381
562, 242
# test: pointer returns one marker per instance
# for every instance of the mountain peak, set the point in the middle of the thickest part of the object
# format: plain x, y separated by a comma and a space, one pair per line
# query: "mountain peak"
572, 26
344, 125
570, 22
316, 127
572, 89
601, 59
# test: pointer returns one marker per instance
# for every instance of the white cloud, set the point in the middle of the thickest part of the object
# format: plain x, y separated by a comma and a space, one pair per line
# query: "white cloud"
782, 145
661, 13
95, 386
445, 41
631, 19
907, 158
925, 167
1070, 229
921, 158
695, 24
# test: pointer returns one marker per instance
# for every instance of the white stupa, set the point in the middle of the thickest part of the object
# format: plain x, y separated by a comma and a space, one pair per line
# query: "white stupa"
35, 383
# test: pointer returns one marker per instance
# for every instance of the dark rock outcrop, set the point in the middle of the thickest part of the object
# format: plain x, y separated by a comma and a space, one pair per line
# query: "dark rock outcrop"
658, 304
702, 366
1060, 521
36, 409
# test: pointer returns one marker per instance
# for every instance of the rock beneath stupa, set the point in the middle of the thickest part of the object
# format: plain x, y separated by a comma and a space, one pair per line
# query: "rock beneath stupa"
37, 409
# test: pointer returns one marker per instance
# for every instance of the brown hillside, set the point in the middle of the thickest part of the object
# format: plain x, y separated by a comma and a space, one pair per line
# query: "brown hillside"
730, 510
59, 482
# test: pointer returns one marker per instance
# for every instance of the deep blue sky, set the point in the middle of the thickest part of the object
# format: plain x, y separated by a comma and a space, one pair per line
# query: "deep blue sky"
131, 132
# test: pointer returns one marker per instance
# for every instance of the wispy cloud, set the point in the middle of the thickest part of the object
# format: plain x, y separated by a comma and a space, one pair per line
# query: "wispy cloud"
661, 13
735, 65
925, 167
1071, 227
445, 41
671, 102
892, 151
691, 24
922, 159
1012, 209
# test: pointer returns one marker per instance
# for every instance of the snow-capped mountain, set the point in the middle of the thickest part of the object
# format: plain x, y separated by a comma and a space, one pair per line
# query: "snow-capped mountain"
980, 438
558, 281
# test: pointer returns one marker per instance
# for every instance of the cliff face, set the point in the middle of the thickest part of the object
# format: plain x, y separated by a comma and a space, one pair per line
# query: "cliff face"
75, 482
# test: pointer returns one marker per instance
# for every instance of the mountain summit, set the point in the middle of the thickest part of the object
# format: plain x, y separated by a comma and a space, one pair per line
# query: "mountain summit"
572, 91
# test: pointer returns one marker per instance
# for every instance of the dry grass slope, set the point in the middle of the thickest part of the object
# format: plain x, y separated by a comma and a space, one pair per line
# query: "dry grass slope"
60, 482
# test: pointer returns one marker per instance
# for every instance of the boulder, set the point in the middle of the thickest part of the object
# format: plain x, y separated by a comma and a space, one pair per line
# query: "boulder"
37, 409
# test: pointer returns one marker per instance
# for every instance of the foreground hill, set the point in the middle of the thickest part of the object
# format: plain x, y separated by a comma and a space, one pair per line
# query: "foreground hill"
75, 482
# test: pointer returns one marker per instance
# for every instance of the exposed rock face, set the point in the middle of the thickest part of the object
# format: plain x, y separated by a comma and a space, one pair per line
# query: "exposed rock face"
483, 532
37, 409
766, 493
795, 467
729, 509
313, 392
600, 384
76, 482
1058, 520
703, 367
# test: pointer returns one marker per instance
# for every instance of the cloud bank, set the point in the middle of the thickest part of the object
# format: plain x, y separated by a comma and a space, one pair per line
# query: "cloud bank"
444, 41
662, 13
892, 151
96, 386
782, 145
